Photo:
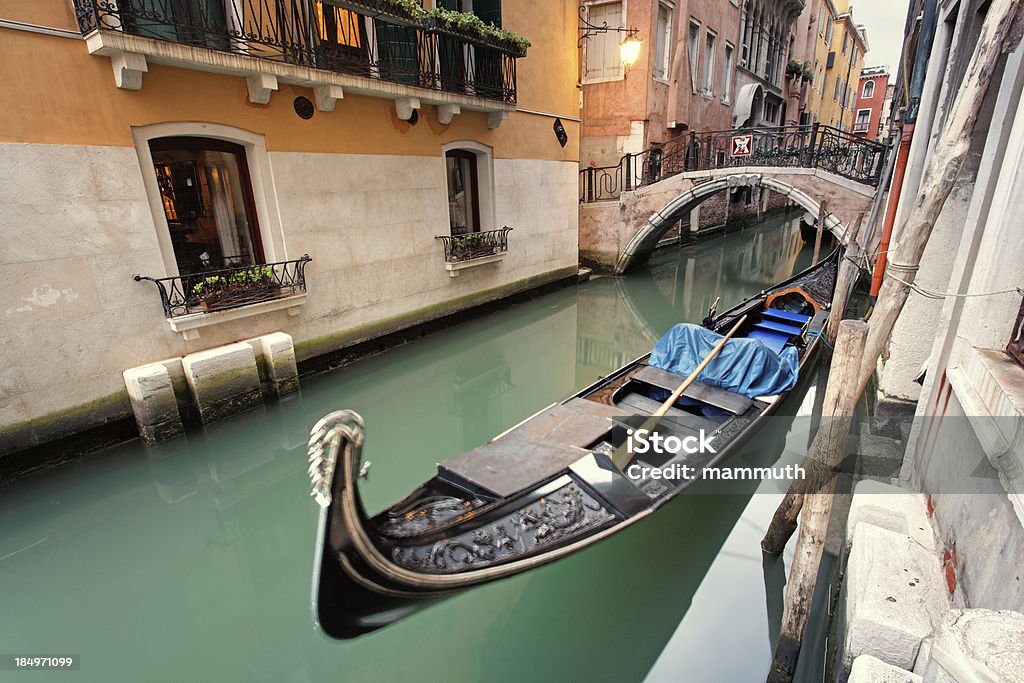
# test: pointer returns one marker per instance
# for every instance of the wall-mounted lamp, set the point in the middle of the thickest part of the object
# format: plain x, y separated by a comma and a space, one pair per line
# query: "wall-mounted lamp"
629, 48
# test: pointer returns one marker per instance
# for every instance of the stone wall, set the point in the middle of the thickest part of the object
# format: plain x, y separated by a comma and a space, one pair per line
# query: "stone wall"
78, 224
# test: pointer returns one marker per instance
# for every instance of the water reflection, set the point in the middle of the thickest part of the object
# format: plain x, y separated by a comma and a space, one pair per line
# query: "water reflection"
192, 560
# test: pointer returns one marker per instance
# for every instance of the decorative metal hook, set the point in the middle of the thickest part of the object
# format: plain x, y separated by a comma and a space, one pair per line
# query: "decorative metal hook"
593, 29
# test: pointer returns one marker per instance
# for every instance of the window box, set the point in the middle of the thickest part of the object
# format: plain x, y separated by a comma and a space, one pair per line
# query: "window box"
474, 249
224, 289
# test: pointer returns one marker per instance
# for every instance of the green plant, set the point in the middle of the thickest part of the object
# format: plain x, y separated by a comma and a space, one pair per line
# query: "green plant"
410, 9
466, 22
240, 280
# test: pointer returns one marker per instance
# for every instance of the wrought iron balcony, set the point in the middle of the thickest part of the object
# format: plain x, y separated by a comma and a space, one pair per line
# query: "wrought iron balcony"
814, 146
226, 288
475, 245
367, 38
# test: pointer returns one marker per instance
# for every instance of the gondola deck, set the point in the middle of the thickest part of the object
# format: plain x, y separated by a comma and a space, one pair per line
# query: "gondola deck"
541, 490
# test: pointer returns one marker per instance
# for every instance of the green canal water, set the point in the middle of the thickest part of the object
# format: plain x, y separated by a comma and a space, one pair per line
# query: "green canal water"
191, 561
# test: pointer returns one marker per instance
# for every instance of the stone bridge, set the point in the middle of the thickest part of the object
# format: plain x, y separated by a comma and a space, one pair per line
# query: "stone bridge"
619, 235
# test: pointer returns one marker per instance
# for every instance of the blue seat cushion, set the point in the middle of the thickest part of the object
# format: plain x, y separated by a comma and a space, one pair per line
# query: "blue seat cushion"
786, 316
781, 328
775, 342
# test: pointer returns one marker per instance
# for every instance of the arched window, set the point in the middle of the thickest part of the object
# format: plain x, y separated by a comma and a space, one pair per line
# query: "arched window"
869, 90
463, 191
208, 203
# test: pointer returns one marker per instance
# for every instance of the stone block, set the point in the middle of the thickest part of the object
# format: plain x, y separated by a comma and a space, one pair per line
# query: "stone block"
151, 393
868, 669
893, 597
890, 507
975, 645
224, 380
275, 359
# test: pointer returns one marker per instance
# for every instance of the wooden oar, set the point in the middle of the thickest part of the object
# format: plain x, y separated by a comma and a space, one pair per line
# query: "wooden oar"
622, 456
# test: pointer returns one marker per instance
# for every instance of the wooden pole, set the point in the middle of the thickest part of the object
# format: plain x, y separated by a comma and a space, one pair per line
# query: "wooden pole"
822, 212
824, 459
848, 268
945, 161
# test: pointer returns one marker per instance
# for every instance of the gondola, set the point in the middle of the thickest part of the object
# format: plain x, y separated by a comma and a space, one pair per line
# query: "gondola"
552, 485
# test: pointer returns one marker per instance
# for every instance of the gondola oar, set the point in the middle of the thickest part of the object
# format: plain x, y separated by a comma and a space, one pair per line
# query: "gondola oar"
622, 456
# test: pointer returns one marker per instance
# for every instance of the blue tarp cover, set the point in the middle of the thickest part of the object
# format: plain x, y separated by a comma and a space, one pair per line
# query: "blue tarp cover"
745, 366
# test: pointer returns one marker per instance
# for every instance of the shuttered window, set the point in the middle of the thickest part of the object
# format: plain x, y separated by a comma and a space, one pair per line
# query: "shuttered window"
603, 60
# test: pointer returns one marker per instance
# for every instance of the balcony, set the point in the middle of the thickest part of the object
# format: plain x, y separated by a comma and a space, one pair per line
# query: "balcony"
474, 249
335, 46
189, 300
861, 126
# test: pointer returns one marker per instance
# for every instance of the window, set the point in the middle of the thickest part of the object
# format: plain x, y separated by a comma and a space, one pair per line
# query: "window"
727, 70
829, 27
821, 21
846, 41
835, 95
824, 84
208, 202
770, 112
602, 49
691, 52
463, 191
863, 120
869, 90
663, 42
709, 62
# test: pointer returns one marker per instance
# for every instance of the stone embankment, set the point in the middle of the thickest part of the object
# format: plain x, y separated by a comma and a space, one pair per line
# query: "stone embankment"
213, 384
897, 621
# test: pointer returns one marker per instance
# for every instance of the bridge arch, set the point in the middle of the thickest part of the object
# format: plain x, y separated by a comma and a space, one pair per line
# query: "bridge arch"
640, 247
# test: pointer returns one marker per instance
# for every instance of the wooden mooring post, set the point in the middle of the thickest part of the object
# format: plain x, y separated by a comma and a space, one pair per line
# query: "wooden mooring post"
845, 280
814, 496
822, 213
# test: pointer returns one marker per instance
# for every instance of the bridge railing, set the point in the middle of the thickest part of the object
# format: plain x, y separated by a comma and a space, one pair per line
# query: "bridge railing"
813, 146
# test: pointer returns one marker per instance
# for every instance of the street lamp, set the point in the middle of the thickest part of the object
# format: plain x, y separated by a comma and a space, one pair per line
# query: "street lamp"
629, 48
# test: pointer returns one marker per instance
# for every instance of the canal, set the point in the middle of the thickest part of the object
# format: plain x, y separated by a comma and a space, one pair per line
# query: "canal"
191, 560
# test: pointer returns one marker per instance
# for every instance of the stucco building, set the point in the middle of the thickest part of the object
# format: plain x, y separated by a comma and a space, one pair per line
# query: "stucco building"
829, 48
211, 147
872, 94
683, 80
765, 44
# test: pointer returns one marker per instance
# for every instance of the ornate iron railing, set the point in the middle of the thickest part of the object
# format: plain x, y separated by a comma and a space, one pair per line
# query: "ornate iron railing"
813, 146
358, 37
458, 248
218, 290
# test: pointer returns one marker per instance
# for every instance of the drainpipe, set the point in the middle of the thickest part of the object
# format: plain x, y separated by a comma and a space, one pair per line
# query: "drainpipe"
924, 48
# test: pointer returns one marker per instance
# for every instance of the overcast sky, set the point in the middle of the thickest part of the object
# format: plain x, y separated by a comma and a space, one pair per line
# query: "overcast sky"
884, 20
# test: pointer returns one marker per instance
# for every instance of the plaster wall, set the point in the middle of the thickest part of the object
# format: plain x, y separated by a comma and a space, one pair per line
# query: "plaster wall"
77, 226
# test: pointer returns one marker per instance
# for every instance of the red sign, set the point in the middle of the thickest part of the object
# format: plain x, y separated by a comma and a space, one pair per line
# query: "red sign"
742, 144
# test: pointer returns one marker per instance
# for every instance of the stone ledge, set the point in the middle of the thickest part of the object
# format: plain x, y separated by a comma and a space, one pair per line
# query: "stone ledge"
892, 508
454, 268
117, 44
975, 645
893, 596
868, 669
990, 387
189, 325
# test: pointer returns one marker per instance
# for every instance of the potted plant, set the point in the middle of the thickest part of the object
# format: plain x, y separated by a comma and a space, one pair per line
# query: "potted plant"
471, 27
217, 290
